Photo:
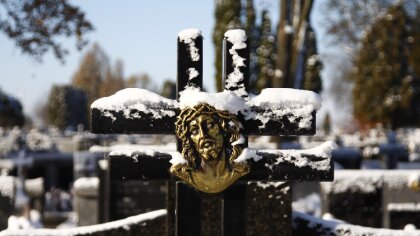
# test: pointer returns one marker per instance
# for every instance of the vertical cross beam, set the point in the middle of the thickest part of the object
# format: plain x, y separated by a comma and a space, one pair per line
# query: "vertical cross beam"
189, 73
236, 62
190, 60
188, 221
236, 79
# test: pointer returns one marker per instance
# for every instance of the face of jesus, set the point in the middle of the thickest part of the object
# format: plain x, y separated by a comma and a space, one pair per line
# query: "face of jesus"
207, 137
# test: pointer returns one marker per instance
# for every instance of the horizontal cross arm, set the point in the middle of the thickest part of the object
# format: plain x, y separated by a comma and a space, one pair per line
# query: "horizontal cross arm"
256, 122
273, 112
280, 165
291, 167
134, 110
259, 121
159, 120
140, 166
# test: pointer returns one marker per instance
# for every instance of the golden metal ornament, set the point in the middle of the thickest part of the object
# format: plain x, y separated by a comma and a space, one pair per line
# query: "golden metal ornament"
415, 185
206, 136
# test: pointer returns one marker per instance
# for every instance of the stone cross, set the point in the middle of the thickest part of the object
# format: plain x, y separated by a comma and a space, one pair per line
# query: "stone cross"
273, 112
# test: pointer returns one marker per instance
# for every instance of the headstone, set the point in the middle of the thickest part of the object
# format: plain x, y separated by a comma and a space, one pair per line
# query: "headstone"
33, 188
372, 198
85, 200
355, 197
7, 206
401, 193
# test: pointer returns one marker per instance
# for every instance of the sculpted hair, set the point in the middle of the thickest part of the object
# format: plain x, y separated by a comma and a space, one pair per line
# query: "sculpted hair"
229, 126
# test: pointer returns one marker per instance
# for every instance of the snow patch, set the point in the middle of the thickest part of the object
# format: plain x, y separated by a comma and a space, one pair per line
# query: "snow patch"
310, 204
226, 100
188, 36
275, 98
7, 186
298, 158
137, 99
414, 181
87, 186
269, 184
192, 73
248, 154
367, 181
411, 206
335, 227
130, 150
298, 105
177, 158
271, 104
89, 230
238, 39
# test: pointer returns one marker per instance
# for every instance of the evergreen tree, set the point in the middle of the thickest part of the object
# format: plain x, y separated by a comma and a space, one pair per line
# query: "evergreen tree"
11, 111
313, 65
265, 53
383, 89
253, 36
414, 62
67, 107
227, 16
250, 24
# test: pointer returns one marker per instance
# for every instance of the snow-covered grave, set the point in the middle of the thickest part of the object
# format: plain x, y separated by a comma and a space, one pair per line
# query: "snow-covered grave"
374, 198
143, 224
273, 112
34, 188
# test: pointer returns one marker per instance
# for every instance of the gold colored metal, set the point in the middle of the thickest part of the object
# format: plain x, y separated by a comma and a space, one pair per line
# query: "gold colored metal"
414, 185
206, 136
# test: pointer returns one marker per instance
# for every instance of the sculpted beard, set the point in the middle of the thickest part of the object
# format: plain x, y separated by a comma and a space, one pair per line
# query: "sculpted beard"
210, 148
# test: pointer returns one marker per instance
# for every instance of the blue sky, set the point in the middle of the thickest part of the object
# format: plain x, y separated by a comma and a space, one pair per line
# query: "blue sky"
140, 33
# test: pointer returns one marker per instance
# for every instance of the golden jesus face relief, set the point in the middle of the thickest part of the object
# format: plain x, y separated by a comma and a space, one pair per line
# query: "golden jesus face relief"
206, 136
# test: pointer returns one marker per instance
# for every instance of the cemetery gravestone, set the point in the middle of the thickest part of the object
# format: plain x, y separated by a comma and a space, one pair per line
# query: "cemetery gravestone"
33, 187
378, 198
85, 200
215, 127
6, 195
355, 197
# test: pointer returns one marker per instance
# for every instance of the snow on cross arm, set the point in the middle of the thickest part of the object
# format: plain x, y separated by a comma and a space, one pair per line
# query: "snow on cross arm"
135, 99
226, 100
272, 103
285, 97
299, 158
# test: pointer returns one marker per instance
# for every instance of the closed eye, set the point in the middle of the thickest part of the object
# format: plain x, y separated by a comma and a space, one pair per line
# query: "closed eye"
194, 131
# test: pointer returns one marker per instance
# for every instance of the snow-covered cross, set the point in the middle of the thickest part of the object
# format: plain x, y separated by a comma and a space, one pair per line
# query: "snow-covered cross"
273, 112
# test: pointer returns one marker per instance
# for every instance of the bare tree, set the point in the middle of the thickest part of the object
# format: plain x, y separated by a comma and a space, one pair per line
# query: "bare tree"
37, 26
